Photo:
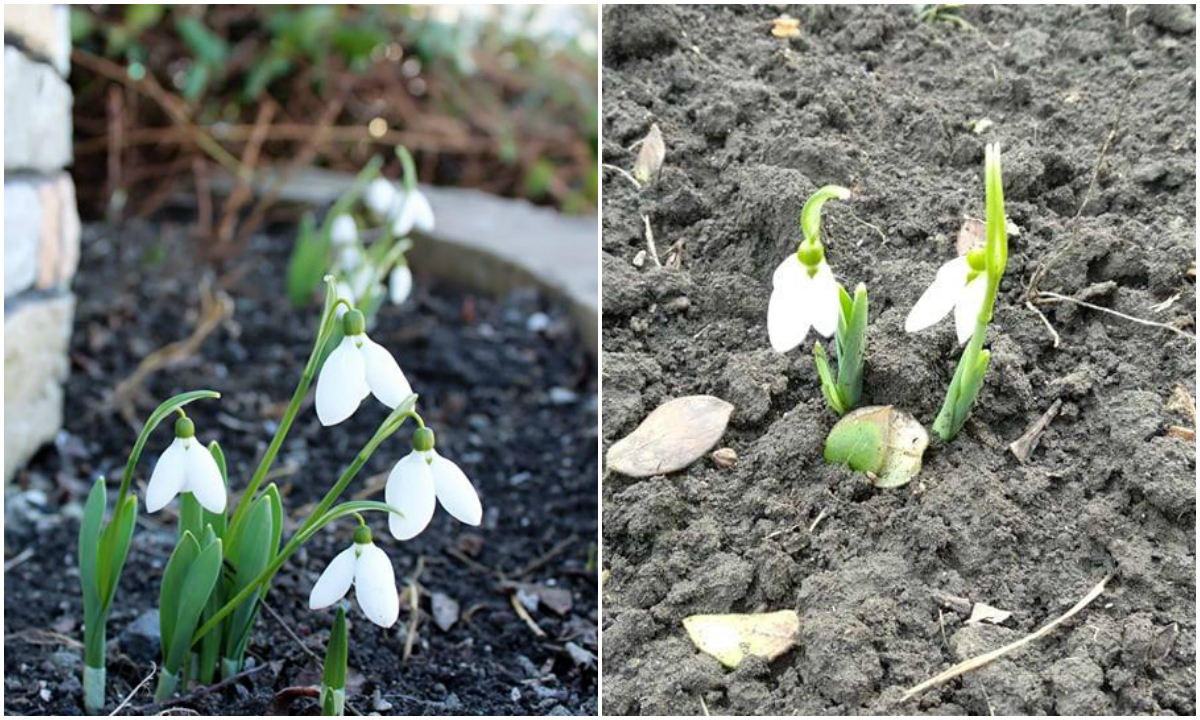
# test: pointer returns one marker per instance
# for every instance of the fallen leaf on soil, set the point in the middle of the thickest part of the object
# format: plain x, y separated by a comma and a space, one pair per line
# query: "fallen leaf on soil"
1181, 432
982, 612
1024, 446
724, 458
1181, 400
532, 595
650, 156
672, 437
445, 611
785, 26
885, 443
730, 638
971, 235
982, 125
469, 544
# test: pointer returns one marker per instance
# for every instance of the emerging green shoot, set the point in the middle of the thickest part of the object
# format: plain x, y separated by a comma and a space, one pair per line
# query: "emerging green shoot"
969, 284
333, 683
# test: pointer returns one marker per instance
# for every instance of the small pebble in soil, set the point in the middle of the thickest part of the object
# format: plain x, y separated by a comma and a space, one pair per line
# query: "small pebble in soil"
537, 322
562, 396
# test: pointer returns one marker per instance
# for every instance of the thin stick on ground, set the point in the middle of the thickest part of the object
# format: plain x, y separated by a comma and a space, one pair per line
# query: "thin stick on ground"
623, 173
981, 660
292, 634
137, 688
414, 599
524, 615
1056, 297
650, 241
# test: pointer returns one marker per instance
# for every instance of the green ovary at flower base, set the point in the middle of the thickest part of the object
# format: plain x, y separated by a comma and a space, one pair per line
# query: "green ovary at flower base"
806, 296
968, 285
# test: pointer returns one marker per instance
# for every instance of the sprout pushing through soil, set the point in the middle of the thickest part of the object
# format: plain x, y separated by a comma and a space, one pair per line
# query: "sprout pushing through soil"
968, 285
223, 563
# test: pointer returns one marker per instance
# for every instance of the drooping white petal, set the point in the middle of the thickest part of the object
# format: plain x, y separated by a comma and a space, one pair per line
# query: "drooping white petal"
454, 490
360, 280
822, 295
410, 490
422, 212
940, 297
343, 231
788, 315
403, 215
335, 582
342, 384
789, 273
379, 196
966, 312
204, 478
168, 477
383, 373
375, 586
400, 284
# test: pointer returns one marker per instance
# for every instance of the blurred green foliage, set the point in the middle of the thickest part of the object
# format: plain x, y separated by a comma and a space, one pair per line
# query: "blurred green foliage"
501, 74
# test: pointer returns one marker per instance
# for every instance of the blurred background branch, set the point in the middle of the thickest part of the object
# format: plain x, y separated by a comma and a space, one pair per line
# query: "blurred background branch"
499, 98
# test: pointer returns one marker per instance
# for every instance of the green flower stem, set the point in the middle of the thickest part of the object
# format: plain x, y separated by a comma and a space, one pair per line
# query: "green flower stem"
325, 330
312, 523
968, 376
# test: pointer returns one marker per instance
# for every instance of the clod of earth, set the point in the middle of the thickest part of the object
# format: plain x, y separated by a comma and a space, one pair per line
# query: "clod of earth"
675, 435
730, 638
885, 443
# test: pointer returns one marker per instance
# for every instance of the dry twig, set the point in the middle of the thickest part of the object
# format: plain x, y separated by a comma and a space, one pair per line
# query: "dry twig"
135, 690
981, 660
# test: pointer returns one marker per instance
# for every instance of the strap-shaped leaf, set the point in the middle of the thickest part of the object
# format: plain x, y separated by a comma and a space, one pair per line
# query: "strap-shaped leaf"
114, 547
336, 653
89, 543
185, 553
254, 552
210, 645
828, 387
851, 342
193, 596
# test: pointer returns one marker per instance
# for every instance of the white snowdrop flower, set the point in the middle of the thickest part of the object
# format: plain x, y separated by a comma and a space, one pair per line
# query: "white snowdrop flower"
421, 477
356, 368
960, 285
344, 231
380, 196
400, 284
349, 257
411, 209
804, 295
186, 466
369, 570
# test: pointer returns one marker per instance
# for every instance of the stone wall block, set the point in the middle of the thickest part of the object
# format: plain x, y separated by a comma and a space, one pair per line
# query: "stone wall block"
41, 233
44, 30
37, 334
37, 115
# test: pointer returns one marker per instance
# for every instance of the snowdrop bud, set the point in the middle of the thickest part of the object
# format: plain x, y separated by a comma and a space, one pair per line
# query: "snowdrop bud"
400, 284
343, 231
379, 196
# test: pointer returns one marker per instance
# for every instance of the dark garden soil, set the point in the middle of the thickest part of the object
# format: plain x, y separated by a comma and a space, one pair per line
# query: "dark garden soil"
869, 98
514, 406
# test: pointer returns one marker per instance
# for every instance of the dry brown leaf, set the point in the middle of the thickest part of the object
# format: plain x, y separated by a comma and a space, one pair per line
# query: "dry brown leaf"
675, 435
971, 235
651, 156
730, 638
